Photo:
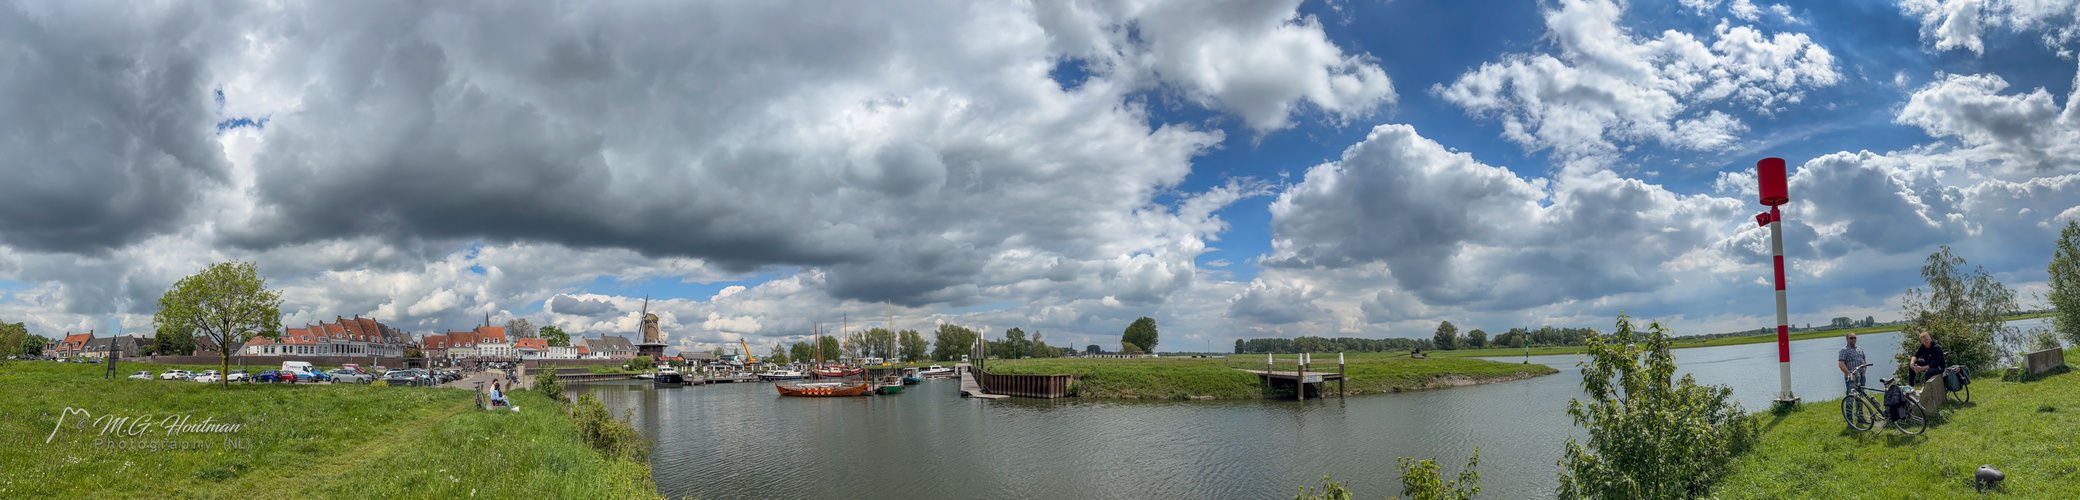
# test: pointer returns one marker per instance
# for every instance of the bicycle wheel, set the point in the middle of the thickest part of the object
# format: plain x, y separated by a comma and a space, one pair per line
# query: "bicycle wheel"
1916, 421
1857, 411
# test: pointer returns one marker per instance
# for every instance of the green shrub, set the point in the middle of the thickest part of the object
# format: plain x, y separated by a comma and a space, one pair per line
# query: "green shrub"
1330, 491
1649, 437
1420, 480
606, 434
546, 382
640, 363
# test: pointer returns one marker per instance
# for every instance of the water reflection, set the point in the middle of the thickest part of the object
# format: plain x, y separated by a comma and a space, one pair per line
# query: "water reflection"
744, 441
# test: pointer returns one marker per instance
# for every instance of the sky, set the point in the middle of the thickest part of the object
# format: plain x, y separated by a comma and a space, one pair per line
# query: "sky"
1231, 169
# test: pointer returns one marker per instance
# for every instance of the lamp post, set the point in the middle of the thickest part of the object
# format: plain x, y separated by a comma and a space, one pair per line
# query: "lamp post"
1773, 192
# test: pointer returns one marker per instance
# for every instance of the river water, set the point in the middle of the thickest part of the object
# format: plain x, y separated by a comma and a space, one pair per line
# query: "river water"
744, 441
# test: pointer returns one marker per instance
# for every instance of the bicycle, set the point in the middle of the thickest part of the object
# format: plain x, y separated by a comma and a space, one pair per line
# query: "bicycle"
1861, 411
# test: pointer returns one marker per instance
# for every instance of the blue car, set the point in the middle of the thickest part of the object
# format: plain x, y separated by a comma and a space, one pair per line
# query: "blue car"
266, 376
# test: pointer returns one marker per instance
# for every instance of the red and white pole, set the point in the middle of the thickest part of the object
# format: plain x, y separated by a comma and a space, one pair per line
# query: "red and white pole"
1774, 192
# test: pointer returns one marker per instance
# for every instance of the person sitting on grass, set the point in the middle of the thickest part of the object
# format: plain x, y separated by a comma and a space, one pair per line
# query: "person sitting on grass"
499, 397
1928, 360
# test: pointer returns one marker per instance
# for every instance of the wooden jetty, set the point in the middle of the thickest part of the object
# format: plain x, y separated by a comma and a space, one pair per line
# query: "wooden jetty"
569, 375
1300, 377
969, 387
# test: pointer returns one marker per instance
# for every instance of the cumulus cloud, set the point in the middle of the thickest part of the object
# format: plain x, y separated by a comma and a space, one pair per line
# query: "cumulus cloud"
2025, 132
1607, 85
1451, 230
1258, 59
1963, 24
429, 164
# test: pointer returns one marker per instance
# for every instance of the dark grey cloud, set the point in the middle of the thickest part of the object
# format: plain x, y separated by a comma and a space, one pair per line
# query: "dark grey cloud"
110, 123
565, 304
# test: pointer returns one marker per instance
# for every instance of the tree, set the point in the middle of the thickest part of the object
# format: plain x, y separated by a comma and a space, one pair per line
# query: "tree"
33, 344
2065, 282
951, 341
640, 363
1129, 348
1477, 338
1447, 337
1650, 435
829, 345
14, 339
170, 342
520, 328
881, 343
1961, 311
1142, 333
1240, 346
226, 303
913, 345
801, 352
1015, 344
779, 355
555, 336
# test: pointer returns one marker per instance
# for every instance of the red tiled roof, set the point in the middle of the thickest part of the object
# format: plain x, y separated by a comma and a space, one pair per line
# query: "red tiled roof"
495, 334
538, 344
353, 328
584, 350
435, 341
333, 330
77, 340
369, 328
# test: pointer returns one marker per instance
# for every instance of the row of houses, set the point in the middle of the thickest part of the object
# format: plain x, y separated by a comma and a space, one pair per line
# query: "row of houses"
343, 337
360, 336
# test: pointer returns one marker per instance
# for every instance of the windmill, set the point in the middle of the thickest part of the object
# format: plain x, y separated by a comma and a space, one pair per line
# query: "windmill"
653, 341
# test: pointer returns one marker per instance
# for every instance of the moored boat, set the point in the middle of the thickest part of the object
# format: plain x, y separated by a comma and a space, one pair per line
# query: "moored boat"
782, 375
669, 378
935, 371
822, 389
889, 385
836, 371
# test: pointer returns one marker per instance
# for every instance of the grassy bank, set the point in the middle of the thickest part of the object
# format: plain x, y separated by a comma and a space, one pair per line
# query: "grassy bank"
1684, 343
344, 441
1218, 378
2028, 430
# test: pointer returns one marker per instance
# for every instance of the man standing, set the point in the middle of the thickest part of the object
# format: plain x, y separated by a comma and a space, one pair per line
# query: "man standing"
1849, 359
1928, 360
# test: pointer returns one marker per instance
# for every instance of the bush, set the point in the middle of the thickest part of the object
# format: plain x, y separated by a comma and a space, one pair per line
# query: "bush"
1420, 480
611, 437
546, 382
1648, 437
640, 363
1330, 491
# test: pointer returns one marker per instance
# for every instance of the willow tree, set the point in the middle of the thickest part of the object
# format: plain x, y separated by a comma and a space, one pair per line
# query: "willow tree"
227, 303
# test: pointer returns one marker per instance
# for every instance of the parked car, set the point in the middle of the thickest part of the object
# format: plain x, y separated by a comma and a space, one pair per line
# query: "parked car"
266, 376
405, 377
346, 376
141, 375
209, 377
175, 375
236, 376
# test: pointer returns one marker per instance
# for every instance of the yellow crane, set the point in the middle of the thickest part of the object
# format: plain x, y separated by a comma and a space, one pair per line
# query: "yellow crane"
748, 358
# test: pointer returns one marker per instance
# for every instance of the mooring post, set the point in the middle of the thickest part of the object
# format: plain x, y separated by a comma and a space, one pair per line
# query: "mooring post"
1339, 376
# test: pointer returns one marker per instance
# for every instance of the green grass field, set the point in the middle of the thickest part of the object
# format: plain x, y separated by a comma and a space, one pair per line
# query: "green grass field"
1685, 343
300, 441
2028, 430
1218, 378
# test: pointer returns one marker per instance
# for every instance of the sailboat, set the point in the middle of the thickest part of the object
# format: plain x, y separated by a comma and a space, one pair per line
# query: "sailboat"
822, 389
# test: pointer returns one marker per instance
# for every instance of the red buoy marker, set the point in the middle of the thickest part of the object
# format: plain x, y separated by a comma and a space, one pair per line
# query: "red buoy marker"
1775, 191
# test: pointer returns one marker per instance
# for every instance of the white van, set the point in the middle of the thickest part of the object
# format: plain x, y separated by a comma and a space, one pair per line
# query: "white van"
297, 366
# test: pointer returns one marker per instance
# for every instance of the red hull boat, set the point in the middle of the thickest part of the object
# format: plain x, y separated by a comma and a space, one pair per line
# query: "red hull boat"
836, 372
821, 390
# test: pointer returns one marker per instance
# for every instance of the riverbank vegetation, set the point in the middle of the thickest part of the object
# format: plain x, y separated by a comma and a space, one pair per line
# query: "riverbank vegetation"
325, 441
2025, 429
1222, 378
